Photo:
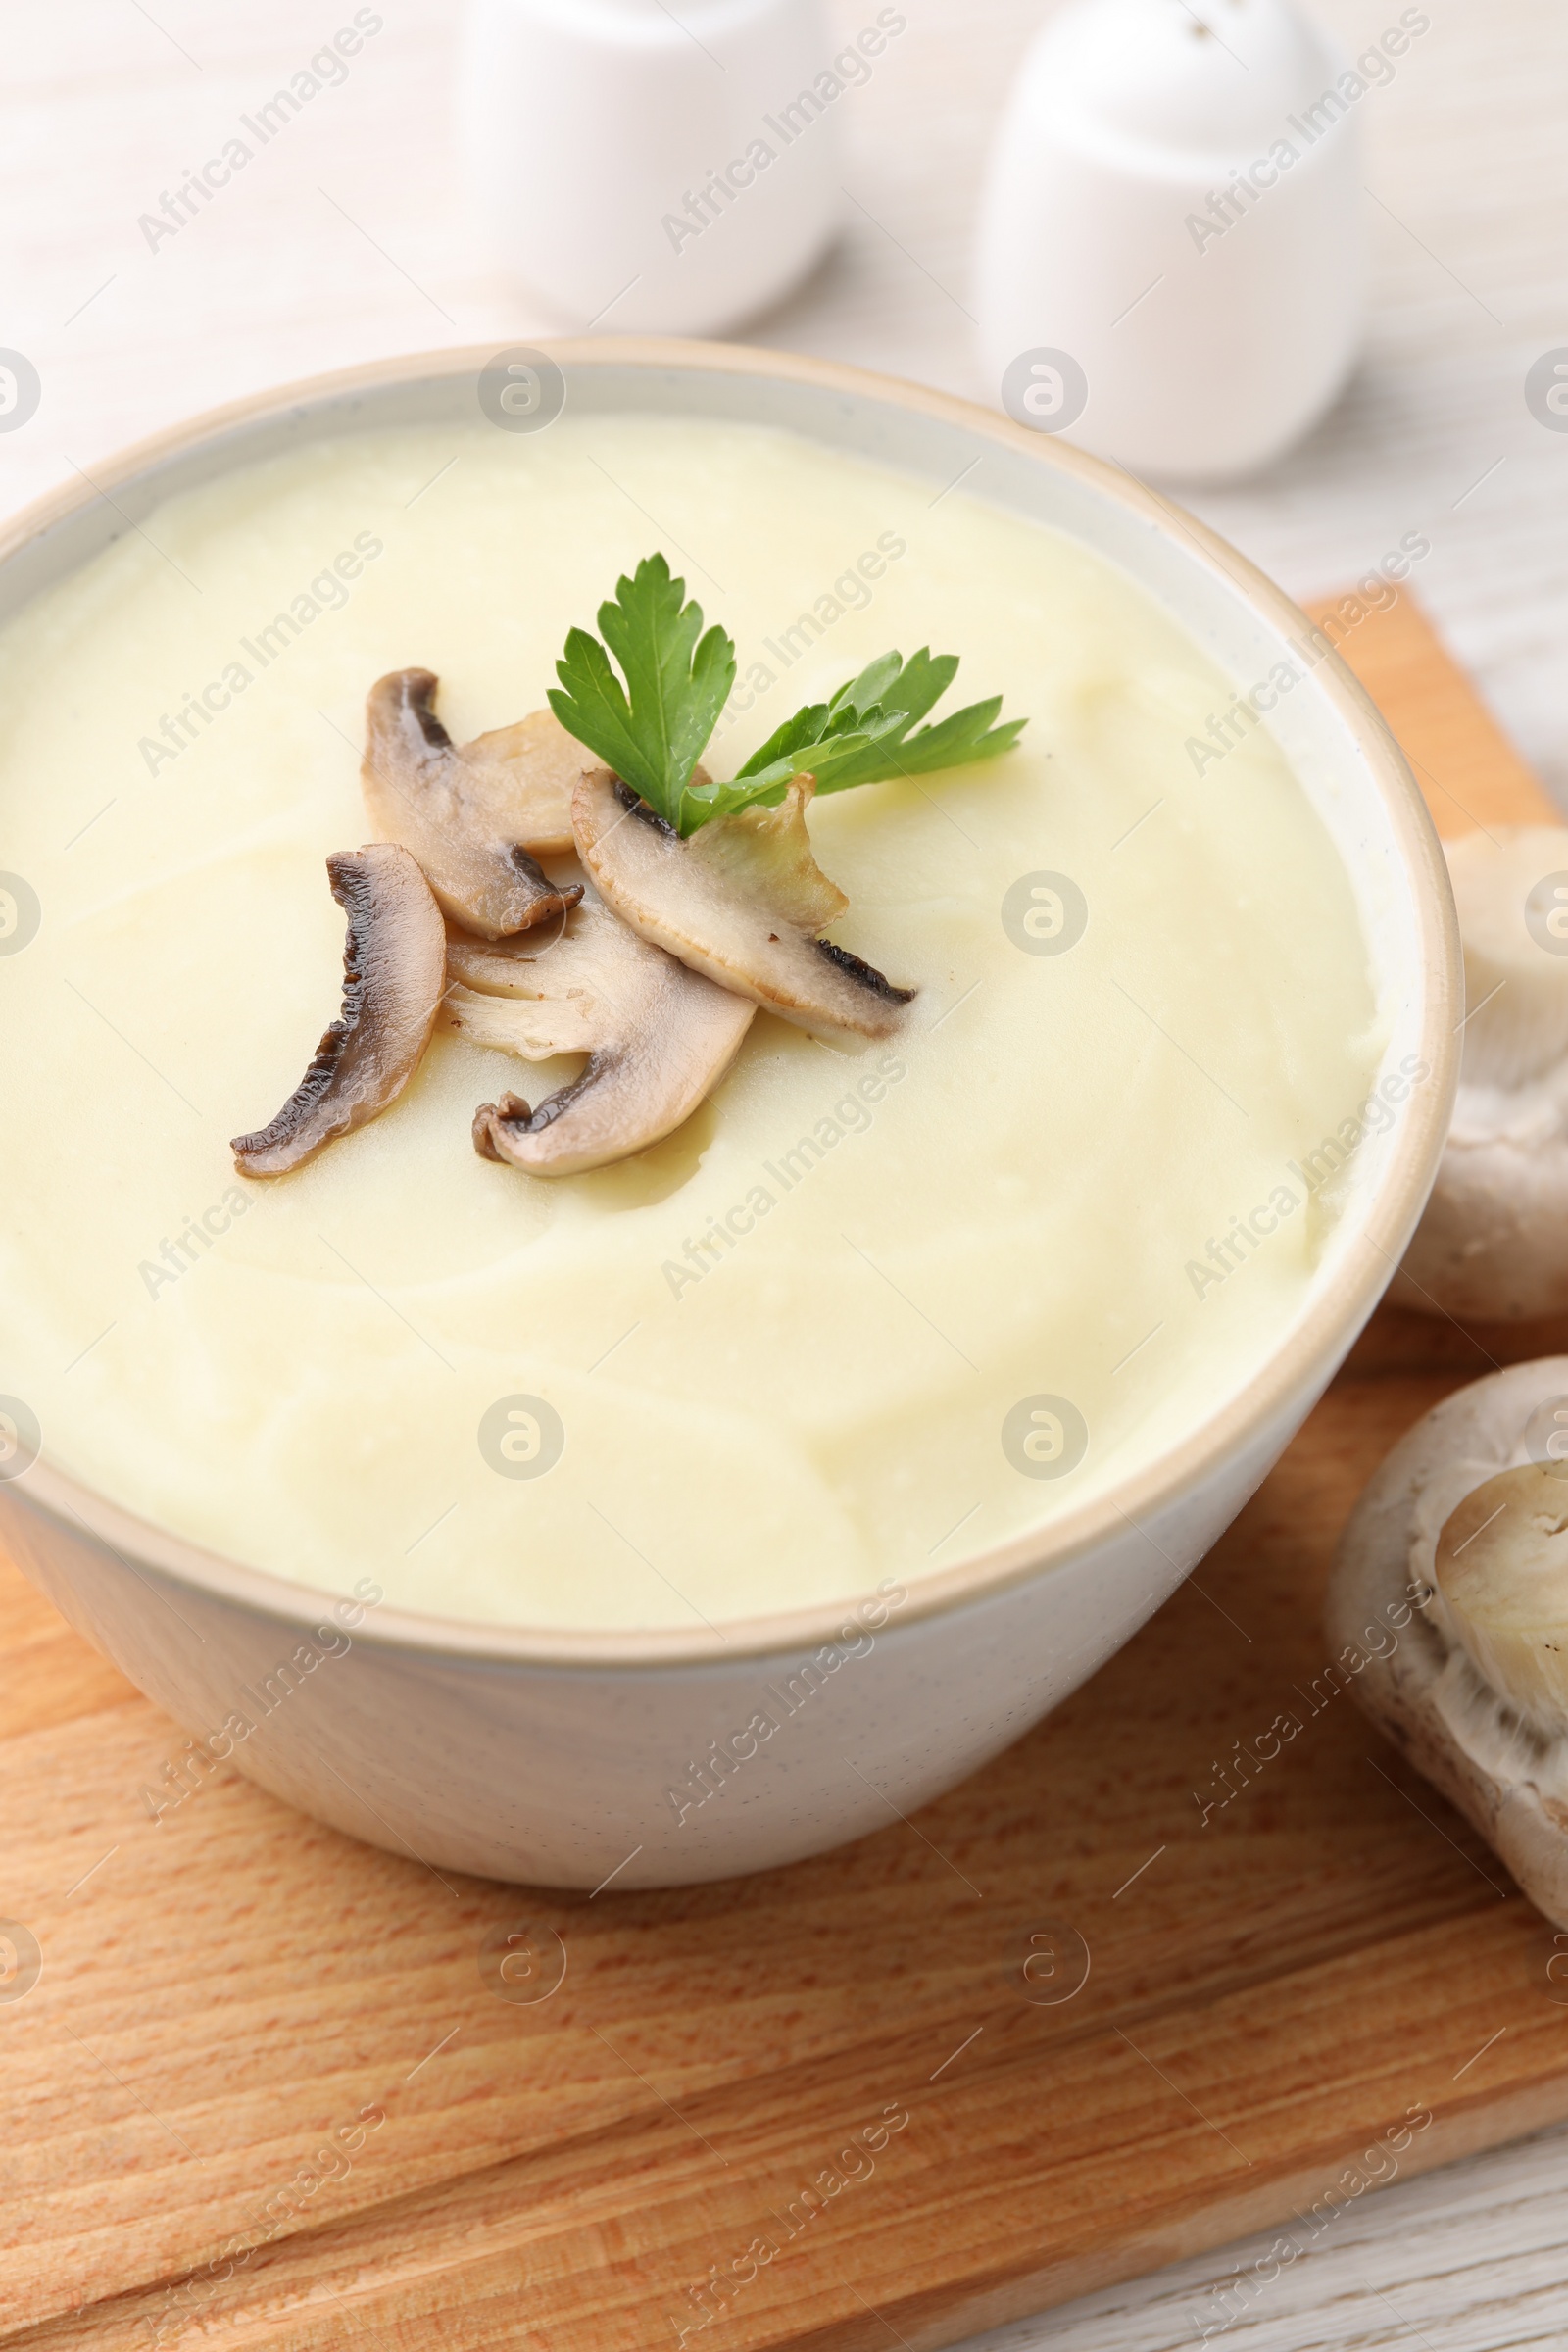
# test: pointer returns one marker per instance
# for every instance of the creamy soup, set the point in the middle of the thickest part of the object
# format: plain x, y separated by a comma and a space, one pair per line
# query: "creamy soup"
867, 1312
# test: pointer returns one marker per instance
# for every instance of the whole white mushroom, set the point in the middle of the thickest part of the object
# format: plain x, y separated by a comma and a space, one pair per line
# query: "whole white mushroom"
1493, 1242
1451, 1587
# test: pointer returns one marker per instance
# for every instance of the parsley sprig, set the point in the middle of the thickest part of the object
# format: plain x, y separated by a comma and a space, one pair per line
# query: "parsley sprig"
653, 729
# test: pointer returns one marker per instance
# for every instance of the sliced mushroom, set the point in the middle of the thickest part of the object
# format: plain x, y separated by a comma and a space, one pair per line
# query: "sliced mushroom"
476, 815
743, 901
1494, 1241
540, 764
657, 1037
1454, 1568
394, 972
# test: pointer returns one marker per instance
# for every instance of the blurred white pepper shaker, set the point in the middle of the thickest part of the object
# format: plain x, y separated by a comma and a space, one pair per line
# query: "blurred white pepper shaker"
652, 169
1171, 264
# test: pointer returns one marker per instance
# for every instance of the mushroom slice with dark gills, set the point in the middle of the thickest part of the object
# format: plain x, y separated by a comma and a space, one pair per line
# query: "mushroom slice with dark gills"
394, 972
743, 901
657, 1037
476, 815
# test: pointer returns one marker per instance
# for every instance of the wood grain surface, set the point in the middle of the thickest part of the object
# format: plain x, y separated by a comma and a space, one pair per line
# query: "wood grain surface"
263, 2089
350, 238
1467, 768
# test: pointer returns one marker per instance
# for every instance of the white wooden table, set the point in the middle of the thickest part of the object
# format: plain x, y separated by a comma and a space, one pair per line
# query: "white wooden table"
349, 237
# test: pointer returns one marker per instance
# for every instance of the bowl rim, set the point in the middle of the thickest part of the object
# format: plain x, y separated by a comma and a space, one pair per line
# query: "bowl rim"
1301, 1366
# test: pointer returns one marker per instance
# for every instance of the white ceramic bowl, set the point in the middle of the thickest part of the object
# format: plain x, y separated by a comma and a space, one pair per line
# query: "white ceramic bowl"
550, 1758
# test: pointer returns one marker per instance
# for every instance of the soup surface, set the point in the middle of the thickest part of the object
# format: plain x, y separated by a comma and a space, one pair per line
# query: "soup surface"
867, 1312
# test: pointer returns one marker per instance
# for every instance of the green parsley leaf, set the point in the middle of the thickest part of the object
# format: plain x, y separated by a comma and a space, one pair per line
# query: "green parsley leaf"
899, 693
819, 738
653, 729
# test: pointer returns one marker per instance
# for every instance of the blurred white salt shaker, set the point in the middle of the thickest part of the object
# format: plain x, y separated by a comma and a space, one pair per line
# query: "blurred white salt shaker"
1171, 264
652, 169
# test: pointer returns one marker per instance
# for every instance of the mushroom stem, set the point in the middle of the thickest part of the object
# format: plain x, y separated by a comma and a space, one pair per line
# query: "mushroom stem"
1503, 1568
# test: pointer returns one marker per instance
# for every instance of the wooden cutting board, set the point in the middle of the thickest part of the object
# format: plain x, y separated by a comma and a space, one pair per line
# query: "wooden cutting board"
261, 2090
